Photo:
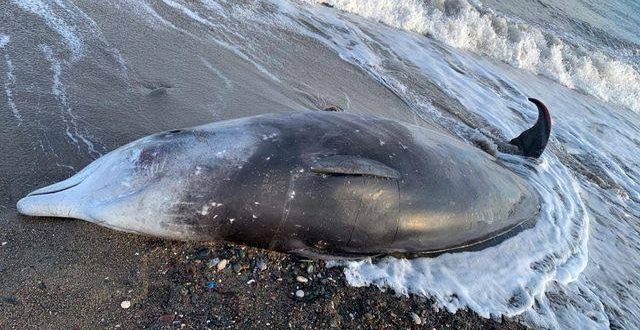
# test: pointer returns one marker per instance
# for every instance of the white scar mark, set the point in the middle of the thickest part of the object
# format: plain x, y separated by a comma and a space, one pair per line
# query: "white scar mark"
270, 136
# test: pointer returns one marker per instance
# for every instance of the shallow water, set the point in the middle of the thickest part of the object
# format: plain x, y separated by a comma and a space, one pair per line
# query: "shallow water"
465, 67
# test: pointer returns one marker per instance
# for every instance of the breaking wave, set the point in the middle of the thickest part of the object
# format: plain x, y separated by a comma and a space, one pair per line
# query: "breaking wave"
471, 27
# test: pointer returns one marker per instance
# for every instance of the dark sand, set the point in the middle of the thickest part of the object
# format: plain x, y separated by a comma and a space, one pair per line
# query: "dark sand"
62, 273
82, 285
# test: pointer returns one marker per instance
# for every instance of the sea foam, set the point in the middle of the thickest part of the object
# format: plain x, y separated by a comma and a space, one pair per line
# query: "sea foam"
471, 27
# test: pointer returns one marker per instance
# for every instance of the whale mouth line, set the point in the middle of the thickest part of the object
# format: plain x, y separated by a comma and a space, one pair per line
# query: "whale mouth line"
36, 193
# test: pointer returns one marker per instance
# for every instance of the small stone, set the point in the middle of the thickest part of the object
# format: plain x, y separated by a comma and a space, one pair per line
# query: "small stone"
300, 294
222, 264
166, 319
11, 300
416, 319
125, 304
310, 269
213, 262
302, 279
368, 316
202, 253
4, 243
333, 108
261, 265
251, 281
237, 267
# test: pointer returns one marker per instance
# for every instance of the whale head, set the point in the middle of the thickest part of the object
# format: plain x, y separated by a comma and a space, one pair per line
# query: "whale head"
141, 186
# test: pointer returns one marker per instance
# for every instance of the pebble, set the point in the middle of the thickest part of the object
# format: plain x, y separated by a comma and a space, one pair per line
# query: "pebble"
125, 304
416, 319
310, 269
302, 279
261, 265
300, 294
213, 262
202, 253
222, 264
4, 243
166, 319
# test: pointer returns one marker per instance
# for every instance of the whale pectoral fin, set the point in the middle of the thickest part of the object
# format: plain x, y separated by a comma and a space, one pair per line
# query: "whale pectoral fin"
531, 143
353, 165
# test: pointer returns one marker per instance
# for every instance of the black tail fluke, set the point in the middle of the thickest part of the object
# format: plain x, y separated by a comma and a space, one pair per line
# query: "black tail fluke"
531, 143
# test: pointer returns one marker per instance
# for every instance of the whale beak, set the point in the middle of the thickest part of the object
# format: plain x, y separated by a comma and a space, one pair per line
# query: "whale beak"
59, 199
56, 200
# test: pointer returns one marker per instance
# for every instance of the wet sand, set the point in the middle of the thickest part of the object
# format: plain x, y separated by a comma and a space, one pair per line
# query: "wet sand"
104, 77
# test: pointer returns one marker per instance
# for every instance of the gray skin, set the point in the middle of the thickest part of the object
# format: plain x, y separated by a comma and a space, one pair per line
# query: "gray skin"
311, 183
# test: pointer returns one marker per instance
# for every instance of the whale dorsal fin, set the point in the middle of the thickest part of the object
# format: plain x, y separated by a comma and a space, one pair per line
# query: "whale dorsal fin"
353, 165
531, 143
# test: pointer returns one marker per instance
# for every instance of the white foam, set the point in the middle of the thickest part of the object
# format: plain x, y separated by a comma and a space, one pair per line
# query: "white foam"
236, 50
187, 11
4, 40
462, 25
217, 72
72, 129
147, 12
66, 31
193, 14
10, 79
214, 6
9, 83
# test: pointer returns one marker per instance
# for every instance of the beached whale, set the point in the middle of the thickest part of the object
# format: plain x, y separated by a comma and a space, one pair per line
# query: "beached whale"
311, 183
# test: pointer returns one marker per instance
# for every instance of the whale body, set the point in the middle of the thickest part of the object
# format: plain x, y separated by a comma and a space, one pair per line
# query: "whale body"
311, 183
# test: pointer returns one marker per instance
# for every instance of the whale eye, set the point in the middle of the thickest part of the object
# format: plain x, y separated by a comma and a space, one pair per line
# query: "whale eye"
175, 131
